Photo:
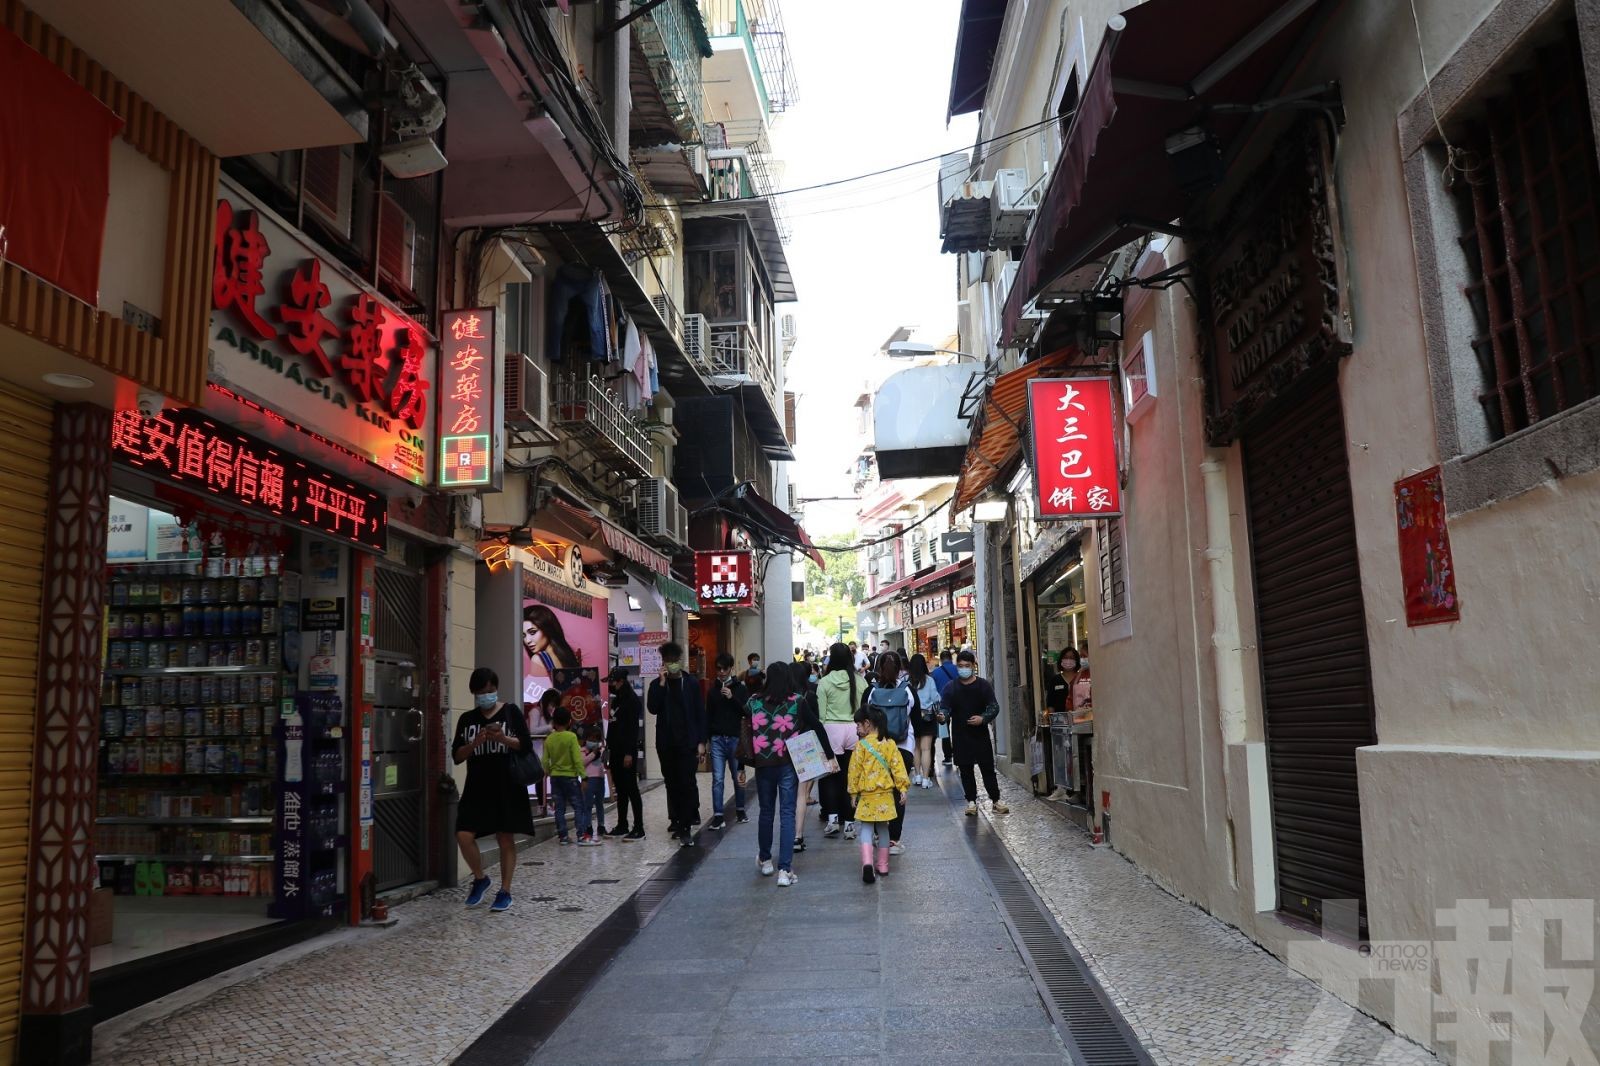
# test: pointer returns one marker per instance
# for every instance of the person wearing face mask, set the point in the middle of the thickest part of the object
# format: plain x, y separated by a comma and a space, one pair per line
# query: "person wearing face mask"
492, 802
623, 743
680, 710
971, 704
752, 664
724, 711
1058, 689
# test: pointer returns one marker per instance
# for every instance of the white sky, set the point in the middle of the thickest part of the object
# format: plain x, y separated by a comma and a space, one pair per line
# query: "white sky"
874, 80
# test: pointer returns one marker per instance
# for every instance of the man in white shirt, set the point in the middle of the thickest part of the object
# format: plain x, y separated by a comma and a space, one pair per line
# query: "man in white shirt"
862, 660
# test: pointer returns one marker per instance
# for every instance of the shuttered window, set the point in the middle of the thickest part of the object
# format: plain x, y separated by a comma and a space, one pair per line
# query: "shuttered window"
1113, 571
1316, 676
24, 468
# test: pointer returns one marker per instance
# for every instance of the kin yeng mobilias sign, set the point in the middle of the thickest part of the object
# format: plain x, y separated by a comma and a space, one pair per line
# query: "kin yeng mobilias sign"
1073, 447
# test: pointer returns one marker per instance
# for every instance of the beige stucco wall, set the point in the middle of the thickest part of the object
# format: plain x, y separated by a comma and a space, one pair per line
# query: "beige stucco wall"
1483, 784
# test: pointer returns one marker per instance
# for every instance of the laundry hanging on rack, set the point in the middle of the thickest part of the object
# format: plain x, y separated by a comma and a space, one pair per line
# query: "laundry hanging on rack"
578, 314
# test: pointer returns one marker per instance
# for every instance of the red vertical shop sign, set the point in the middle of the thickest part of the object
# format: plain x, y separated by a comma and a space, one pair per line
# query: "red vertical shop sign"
1073, 447
1427, 569
466, 400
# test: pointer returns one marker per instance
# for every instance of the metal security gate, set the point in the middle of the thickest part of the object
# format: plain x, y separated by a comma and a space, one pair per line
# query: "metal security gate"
24, 480
399, 801
1316, 676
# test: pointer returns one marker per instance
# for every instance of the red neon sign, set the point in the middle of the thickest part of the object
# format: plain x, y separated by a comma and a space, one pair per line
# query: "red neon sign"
184, 448
725, 579
466, 399
1074, 448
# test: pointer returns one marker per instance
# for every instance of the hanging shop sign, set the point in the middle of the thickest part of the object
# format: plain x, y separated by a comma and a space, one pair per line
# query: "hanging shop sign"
725, 579
1427, 569
1073, 450
466, 400
186, 449
1274, 284
291, 330
931, 606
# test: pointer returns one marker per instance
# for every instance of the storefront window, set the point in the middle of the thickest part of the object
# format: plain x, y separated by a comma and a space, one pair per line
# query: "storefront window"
1063, 612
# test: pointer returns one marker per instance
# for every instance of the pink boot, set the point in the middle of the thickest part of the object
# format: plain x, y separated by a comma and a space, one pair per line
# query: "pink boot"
883, 861
866, 862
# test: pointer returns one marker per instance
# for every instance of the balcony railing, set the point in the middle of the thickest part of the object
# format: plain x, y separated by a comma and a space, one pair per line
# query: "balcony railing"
671, 45
759, 24
741, 173
734, 352
594, 414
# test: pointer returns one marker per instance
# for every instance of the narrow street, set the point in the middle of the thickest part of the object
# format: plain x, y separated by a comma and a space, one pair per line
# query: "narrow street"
920, 968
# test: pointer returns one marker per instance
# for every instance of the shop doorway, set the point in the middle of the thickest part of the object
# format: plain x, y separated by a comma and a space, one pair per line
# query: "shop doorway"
1316, 676
399, 800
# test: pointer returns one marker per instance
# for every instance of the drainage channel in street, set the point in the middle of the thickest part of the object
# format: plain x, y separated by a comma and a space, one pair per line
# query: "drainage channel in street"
519, 1033
1093, 1029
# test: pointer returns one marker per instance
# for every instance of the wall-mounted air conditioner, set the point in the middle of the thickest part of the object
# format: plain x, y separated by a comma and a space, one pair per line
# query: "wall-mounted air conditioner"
527, 397
696, 339
660, 514
1011, 207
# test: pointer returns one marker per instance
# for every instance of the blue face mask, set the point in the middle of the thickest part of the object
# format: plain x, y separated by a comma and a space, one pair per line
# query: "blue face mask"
964, 672
484, 700
813, 679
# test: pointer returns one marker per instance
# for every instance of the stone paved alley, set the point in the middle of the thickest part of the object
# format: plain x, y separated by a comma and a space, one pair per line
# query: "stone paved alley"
920, 969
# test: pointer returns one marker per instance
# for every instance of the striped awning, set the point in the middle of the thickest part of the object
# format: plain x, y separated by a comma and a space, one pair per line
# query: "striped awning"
997, 428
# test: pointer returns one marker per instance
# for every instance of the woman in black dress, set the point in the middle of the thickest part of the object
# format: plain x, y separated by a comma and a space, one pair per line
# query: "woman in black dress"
492, 802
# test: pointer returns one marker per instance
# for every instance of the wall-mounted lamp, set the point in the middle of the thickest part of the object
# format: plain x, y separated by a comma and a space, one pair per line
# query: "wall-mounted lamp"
990, 507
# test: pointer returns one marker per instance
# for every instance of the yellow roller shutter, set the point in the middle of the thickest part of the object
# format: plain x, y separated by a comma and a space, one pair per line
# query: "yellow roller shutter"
24, 477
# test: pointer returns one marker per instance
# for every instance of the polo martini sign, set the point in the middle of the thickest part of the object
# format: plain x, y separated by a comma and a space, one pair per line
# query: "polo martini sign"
292, 330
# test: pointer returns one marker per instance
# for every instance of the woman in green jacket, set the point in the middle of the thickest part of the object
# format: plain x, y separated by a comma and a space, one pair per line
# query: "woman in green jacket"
839, 695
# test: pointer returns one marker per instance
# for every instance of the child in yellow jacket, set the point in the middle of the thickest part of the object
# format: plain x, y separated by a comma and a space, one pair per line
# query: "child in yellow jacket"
877, 784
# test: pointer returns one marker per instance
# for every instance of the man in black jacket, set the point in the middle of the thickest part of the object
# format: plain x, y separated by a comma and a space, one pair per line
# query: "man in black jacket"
970, 702
624, 741
724, 709
680, 709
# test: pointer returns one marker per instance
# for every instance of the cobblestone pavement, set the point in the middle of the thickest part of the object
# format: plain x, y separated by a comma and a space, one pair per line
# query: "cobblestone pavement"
416, 993
1195, 991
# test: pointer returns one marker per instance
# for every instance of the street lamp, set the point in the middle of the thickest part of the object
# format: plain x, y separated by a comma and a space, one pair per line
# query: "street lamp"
918, 350
990, 507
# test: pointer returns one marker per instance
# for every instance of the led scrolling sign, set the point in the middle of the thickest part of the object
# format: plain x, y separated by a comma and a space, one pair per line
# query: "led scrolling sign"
186, 449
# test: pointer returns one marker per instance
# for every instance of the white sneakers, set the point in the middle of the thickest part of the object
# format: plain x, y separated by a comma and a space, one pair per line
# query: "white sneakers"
897, 849
927, 782
972, 810
999, 808
766, 868
786, 878
831, 829
849, 830
916, 779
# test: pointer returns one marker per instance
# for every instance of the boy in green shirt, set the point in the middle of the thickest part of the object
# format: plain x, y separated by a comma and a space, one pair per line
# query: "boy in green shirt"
563, 761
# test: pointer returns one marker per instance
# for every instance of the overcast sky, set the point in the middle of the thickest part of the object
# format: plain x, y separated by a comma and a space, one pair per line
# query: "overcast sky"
874, 80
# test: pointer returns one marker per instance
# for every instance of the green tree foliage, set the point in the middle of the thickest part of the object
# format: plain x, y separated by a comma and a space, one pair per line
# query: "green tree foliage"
836, 592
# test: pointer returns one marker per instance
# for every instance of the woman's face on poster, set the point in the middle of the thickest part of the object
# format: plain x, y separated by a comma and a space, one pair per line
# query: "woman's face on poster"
533, 640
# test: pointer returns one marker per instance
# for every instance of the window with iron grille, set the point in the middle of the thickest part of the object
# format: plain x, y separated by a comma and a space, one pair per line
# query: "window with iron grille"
1113, 571
1527, 192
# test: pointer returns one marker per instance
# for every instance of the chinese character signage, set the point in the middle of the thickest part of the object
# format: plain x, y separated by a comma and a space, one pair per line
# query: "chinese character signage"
1074, 447
1427, 570
933, 606
186, 449
293, 332
466, 399
725, 579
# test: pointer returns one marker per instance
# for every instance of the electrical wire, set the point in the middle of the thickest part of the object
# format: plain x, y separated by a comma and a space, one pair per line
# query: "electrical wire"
902, 531
1021, 130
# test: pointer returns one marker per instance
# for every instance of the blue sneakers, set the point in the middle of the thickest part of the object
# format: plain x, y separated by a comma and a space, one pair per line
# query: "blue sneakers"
480, 888
502, 901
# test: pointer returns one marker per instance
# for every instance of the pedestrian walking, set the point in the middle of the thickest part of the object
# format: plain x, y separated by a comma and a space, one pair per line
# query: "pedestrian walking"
492, 802
924, 719
877, 785
623, 745
942, 676
725, 705
594, 780
970, 702
838, 698
563, 762
813, 674
680, 710
892, 695
771, 720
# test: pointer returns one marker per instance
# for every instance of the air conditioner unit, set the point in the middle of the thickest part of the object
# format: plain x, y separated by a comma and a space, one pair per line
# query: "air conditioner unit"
329, 183
696, 339
886, 569
1011, 207
1031, 318
791, 334
794, 498
660, 514
527, 395
397, 243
